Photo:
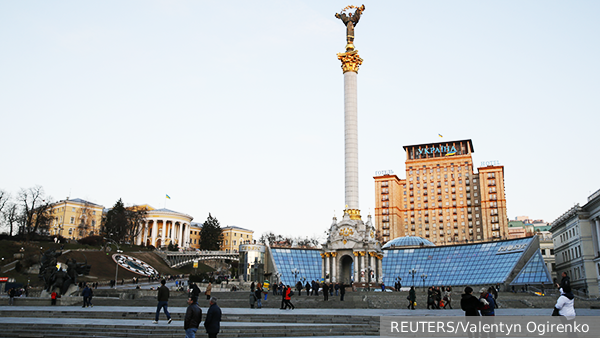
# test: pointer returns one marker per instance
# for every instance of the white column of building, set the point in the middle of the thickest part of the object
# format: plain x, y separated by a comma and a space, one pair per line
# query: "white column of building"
154, 232
138, 238
327, 258
373, 267
379, 269
356, 270
334, 267
180, 239
164, 232
146, 229
184, 235
323, 260
351, 138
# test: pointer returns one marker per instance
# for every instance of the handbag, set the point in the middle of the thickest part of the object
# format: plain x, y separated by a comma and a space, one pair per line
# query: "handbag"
555, 312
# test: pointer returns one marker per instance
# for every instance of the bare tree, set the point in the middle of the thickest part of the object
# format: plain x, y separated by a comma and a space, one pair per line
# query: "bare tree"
4, 198
11, 217
36, 215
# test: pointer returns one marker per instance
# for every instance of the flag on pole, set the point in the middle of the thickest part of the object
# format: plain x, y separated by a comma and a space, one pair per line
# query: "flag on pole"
440, 135
168, 197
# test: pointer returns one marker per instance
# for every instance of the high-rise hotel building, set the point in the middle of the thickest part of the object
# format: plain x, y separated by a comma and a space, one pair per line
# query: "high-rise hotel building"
442, 199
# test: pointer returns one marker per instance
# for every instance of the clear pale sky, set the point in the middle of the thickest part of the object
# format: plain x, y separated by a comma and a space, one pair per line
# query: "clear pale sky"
236, 107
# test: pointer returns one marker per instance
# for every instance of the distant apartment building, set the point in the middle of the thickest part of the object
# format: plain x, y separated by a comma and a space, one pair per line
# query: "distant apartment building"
75, 218
234, 236
442, 198
576, 237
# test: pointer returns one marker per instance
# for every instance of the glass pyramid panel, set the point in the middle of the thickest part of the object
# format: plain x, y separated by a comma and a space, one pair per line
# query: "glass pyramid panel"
534, 272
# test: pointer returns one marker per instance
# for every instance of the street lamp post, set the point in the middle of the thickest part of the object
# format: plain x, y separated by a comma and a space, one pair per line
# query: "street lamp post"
423, 277
116, 263
412, 272
295, 272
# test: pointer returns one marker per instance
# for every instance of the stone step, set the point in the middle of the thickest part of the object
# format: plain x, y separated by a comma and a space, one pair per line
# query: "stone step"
41, 330
284, 317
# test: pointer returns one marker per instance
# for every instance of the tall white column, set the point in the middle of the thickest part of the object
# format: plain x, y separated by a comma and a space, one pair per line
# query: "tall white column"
334, 269
356, 268
146, 229
186, 233
327, 266
180, 234
164, 232
351, 138
154, 232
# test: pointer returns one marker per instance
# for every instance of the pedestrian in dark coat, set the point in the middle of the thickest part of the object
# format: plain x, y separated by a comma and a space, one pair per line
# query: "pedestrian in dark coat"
212, 323
342, 291
163, 302
193, 317
412, 298
469, 303
283, 292
325, 292
86, 293
307, 288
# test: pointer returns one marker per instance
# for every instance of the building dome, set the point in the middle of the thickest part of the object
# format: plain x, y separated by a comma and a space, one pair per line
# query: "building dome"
407, 241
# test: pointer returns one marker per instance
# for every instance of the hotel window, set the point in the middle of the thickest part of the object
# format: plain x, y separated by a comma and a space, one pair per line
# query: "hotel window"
234, 242
73, 211
72, 221
93, 212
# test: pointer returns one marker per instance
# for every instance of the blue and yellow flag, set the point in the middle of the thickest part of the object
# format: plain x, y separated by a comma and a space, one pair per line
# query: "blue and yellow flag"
450, 154
168, 196
440, 135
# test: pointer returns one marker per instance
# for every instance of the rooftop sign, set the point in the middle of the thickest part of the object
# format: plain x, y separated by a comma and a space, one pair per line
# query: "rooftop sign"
511, 249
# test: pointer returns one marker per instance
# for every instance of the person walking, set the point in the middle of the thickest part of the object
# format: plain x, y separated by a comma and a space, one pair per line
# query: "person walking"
53, 298
212, 323
163, 302
194, 291
469, 303
252, 299
283, 292
430, 298
412, 298
342, 291
258, 295
307, 286
325, 292
86, 293
193, 317
487, 300
288, 298
448, 297
337, 288
565, 303
11, 296
208, 289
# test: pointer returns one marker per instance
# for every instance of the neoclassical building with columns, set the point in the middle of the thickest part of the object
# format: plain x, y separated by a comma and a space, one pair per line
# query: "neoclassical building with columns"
352, 254
164, 226
576, 236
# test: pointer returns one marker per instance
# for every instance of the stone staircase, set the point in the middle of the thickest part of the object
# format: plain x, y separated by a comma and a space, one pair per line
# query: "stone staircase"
353, 300
138, 324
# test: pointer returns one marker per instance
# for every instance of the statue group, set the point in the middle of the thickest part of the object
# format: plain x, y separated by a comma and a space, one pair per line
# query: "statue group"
57, 278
